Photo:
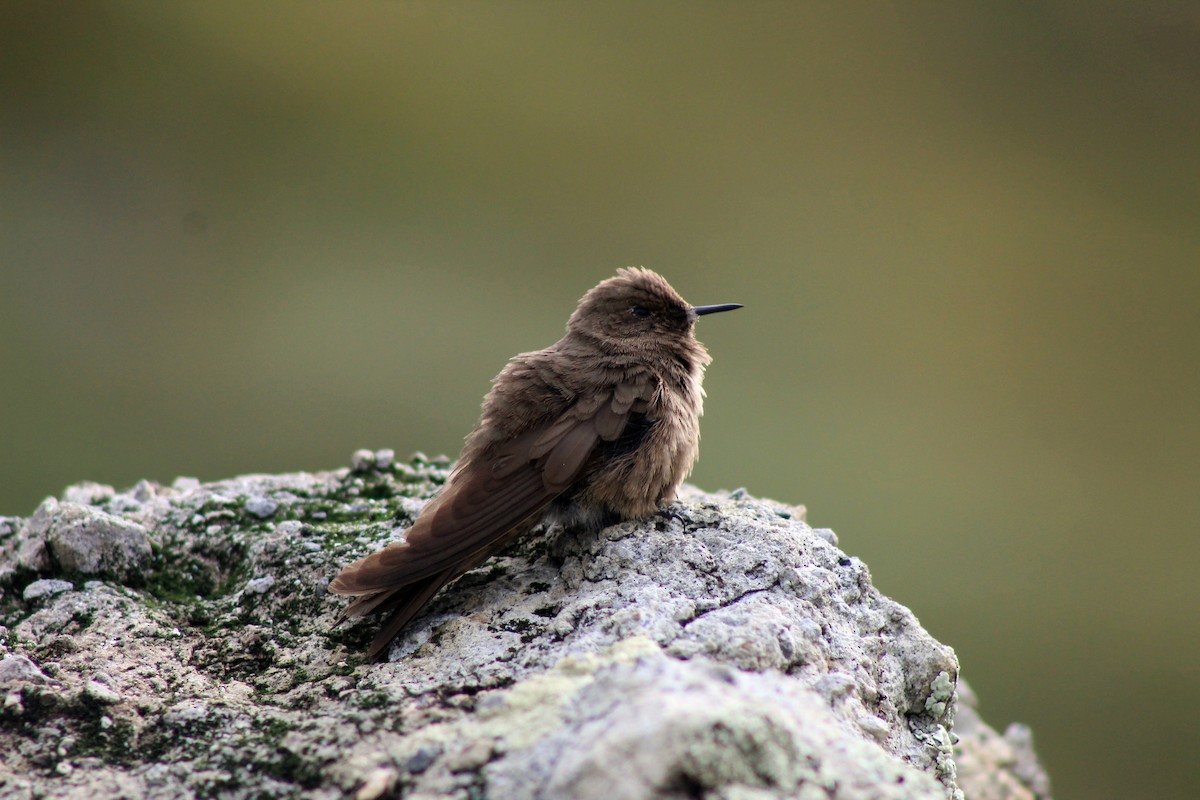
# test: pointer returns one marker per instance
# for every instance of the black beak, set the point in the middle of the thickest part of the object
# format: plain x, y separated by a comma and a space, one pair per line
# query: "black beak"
700, 311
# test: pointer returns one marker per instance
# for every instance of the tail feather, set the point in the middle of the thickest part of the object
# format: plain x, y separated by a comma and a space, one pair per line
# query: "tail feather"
403, 603
402, 606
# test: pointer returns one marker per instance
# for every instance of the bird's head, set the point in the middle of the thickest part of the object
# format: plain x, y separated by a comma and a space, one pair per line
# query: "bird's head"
638, 310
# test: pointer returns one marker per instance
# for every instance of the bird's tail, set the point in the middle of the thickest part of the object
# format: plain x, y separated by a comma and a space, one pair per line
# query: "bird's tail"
400, 605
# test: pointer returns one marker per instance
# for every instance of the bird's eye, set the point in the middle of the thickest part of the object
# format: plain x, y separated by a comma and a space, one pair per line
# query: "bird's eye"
639, 311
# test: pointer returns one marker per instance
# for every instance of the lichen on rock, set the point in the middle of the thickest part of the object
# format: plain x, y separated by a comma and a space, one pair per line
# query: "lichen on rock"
177, 641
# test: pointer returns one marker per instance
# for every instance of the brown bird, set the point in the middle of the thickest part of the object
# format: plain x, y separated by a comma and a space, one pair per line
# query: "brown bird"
601, 426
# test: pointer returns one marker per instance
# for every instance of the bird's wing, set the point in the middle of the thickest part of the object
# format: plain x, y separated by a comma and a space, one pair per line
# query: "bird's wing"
489, 498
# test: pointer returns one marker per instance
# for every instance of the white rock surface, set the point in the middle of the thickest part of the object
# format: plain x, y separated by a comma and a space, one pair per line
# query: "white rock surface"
722, 649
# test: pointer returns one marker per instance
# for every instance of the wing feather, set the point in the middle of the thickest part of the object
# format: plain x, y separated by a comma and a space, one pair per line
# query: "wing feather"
485, 501
609, 422
562, 464
467, 519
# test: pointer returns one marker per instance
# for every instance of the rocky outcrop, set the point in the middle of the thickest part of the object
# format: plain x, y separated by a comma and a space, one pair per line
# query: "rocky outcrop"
177, 641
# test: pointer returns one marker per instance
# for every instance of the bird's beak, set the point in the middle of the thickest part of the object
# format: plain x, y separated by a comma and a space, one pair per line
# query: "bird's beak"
700, 311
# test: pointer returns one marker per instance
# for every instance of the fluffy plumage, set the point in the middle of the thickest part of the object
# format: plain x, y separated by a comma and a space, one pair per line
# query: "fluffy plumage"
601, 426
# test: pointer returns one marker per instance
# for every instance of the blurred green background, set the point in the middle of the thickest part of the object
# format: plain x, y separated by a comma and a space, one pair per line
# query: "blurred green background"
255, 237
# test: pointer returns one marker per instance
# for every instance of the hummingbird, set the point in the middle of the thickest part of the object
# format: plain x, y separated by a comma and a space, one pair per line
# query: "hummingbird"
600, 427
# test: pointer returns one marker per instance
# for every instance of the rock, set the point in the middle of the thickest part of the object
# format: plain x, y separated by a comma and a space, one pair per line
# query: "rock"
994, 767
721, 649
84, 540
261, 507
44, 588
88, 493
260, 585
20, 668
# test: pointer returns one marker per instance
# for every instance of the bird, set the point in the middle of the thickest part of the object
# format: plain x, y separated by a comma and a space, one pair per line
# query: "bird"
600, 427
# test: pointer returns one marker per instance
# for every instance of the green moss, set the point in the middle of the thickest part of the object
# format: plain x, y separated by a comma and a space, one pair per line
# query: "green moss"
290, 766
353, 533
527, 628
378, 490
107, 738
354, 638
176, 578
534, 548
519, 625
368, 701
